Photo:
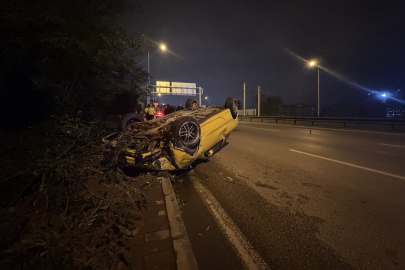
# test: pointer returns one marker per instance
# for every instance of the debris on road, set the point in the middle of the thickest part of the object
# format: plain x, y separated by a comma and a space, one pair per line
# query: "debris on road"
181, 203
261, 184
229, 179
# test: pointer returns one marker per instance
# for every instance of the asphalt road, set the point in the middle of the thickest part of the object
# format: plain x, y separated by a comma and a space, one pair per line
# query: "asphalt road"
319, 199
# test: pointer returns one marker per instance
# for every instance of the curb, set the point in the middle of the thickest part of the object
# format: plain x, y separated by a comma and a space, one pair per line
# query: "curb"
184, 253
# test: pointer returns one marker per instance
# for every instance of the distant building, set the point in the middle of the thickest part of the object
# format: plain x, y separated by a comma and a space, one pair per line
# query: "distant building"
297, 110
395, 112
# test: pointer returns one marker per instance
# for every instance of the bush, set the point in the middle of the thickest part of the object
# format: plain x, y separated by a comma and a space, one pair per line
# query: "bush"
59, 54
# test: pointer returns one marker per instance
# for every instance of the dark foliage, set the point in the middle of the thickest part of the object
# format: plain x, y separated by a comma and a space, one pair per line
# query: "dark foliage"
48, 211
64, 64
58, 54
122, 103
271, 105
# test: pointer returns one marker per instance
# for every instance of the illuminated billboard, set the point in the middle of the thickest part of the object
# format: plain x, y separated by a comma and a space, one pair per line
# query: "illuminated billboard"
163, 90
179, 88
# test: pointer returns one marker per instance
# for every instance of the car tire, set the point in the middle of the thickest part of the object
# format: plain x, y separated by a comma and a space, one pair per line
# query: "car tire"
127, 119
232, 104
191, 103
186, 132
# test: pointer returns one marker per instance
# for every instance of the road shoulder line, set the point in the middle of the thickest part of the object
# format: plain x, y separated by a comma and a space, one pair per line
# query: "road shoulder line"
394, 145
250, 258
185, 259
350, 164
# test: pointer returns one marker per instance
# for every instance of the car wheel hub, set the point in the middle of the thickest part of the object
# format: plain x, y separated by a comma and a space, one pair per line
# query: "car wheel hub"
188, 132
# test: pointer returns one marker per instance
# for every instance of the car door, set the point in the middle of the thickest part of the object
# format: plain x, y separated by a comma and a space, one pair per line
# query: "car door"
212, 131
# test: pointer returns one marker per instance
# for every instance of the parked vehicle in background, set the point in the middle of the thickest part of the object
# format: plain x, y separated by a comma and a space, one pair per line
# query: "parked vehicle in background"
158, 114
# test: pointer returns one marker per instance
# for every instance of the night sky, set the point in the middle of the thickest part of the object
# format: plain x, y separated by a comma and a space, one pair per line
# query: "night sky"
219, 45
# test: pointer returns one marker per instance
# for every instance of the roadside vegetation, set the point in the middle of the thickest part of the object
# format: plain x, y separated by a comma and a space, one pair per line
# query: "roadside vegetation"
66, 68
271, 105
62, 54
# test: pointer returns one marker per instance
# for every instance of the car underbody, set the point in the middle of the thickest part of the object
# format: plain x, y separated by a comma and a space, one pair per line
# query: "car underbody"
152, 144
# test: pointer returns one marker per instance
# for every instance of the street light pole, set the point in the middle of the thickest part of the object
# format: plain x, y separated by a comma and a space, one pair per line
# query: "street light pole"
313, 63
163, 48
258, 101
244, 99
318, 93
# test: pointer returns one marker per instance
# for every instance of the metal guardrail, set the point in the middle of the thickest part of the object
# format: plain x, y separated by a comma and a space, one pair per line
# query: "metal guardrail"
394, 124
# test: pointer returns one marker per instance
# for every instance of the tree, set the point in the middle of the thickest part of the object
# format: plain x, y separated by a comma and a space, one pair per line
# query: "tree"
271, 105
65, 53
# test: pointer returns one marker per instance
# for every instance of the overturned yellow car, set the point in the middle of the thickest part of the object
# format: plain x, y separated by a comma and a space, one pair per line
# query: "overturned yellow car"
176, 140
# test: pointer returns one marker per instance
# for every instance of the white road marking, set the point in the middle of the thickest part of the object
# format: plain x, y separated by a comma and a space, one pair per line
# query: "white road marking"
392, 145
350, 164
266, 129
250, 258
320, 128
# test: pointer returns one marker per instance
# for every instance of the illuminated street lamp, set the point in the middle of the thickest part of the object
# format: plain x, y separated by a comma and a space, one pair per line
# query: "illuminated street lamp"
312, 64
384, 97
163, 48
209, 101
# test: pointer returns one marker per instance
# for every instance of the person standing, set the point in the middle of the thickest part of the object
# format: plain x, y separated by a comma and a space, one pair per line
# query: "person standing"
169, 109
150, 112
180, 107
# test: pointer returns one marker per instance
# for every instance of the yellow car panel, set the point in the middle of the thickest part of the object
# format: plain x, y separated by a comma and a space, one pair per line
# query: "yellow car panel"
213, 130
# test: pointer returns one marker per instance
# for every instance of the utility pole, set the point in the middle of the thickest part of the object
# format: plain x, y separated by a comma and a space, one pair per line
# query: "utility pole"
258, 101
318, 93
244, 99
199, 93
